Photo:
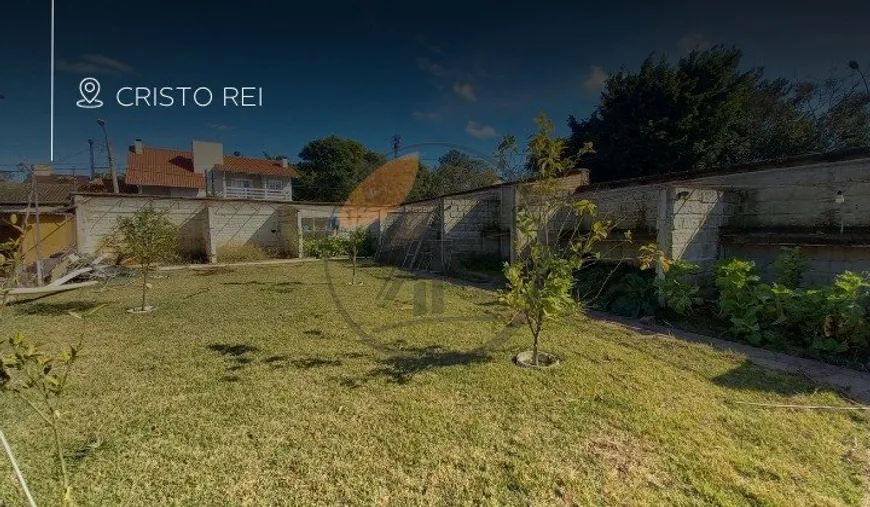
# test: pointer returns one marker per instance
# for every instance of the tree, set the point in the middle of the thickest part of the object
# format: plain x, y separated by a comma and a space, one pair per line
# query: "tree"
552, 226
664, 118
39, 380
839, 109
424, 184
457, 172
149, 237
331, 168
705, 111
355, 242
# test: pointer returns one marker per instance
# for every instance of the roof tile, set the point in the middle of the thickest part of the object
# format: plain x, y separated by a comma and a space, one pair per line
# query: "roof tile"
174, 168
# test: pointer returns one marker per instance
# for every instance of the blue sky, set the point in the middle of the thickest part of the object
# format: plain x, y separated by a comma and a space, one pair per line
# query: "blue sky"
447, 72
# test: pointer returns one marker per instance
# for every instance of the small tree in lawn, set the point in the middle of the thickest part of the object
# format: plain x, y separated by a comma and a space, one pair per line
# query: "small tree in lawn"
149, 237
558, 234
39, 379
355, 241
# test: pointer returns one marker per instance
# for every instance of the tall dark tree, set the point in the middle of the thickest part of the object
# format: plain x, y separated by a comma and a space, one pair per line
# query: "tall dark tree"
424, 184
664, 118
705, 111
331, 168
457, 172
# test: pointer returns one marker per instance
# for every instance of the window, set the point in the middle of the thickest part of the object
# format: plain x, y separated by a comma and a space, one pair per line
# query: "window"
240, 188
276, 185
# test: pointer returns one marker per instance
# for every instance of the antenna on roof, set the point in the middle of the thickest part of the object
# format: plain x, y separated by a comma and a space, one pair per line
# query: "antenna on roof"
237, 154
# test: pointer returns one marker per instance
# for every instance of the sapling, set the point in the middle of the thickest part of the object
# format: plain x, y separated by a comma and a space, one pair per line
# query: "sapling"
354, 243
558, 233
39, 380
149, 237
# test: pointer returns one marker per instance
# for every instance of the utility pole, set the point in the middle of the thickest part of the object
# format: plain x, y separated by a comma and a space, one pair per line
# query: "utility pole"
93, 166
112, 172
397, 143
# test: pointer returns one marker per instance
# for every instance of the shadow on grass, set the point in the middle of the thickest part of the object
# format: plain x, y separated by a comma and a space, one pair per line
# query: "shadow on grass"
238, 355
315, 362
753, 377
401, 369
232, 350
54, 308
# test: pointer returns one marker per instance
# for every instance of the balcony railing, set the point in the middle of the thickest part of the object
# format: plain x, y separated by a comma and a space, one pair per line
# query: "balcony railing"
255, 193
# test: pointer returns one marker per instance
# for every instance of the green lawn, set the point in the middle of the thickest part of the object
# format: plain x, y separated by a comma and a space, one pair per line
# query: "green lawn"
251, 388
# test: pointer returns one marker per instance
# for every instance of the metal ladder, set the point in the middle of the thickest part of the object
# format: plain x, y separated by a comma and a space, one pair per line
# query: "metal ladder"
411, 254
414, 246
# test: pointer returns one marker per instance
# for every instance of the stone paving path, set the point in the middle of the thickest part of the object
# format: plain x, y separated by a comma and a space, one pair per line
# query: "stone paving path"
853, 384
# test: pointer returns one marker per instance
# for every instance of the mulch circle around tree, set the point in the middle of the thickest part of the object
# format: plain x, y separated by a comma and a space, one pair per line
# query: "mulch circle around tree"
545, 360
140, 310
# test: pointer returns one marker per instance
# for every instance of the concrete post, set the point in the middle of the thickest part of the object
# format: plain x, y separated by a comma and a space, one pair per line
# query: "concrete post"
209, 237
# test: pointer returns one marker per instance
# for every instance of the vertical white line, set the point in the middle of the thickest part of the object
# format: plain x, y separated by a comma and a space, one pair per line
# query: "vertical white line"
52, 83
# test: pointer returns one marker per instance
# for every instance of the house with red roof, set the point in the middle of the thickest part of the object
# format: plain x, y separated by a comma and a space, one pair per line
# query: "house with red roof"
204, 171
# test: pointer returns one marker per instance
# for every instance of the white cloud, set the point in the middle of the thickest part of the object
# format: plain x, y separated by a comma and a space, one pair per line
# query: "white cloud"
94, 64
218, 126
424, 116
466, 91
692, 41
596, 79
431, 67
480, 131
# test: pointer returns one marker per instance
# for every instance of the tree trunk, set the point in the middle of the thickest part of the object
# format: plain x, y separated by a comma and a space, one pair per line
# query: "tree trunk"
144, 284
353, 263
537, 333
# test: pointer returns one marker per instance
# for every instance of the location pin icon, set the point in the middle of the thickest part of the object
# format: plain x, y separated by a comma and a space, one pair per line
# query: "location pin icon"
89, 88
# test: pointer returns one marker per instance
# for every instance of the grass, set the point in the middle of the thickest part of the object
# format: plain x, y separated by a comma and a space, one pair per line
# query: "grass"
248, 387
241, 252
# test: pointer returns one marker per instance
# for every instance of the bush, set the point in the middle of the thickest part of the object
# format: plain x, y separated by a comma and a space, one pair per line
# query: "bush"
241, 252
832, 319
326, 247
339, 244
678, 287
789, 267
634, 295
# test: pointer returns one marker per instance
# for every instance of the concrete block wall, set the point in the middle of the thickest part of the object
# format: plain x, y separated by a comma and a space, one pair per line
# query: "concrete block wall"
467, 216
689, 223
803, 196
246, 222
97, 216
207, 224
825, 262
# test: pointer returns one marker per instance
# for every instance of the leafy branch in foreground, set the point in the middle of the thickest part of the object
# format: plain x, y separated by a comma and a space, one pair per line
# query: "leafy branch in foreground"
11, 258
39, 380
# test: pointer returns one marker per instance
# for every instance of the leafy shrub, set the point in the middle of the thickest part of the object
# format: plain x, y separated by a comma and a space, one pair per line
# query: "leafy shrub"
592, 283
832, 319
678, 287
789, 267
241, 252
326, 247
634, 295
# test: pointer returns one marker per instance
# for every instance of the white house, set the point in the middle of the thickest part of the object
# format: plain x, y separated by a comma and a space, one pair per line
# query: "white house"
206, 171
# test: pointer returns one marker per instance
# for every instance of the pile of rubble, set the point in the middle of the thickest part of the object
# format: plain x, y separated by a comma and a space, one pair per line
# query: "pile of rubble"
72, 270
